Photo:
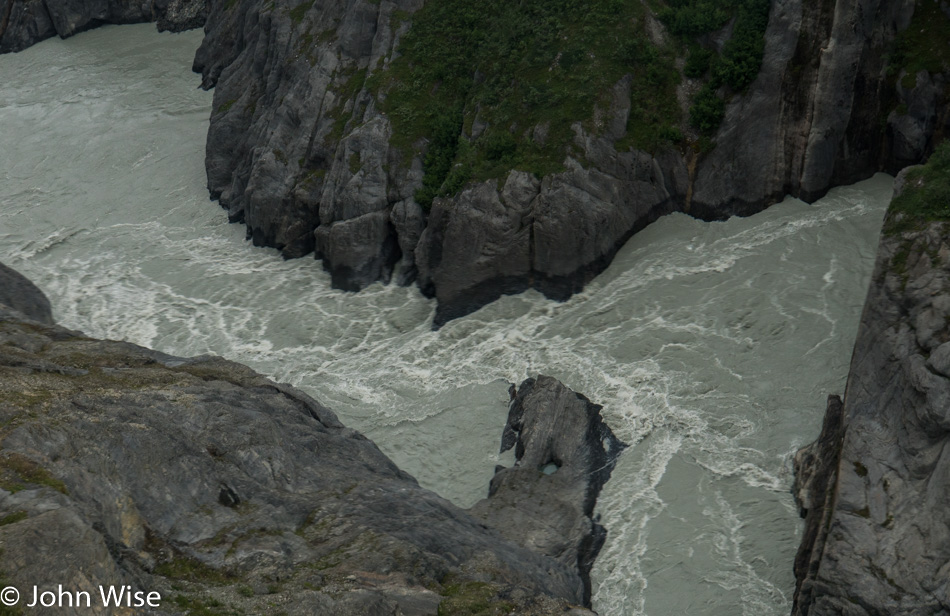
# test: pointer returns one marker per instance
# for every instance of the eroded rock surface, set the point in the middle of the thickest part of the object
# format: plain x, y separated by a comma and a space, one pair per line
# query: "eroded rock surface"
875, 487
19, 294
223, 490
299, 151
564, 455
26, 22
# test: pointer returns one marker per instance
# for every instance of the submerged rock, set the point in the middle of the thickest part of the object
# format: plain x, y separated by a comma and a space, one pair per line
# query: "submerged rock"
220, 489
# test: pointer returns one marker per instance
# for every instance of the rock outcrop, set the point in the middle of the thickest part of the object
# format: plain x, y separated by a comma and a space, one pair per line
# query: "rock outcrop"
564, 455
26, 22
874, 488
222, 490
300, 152
19, 294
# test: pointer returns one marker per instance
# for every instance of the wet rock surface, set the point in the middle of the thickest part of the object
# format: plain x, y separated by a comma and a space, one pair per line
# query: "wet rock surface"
26, 22
19, 294
222, 490
299, 151
564, 455
874, 487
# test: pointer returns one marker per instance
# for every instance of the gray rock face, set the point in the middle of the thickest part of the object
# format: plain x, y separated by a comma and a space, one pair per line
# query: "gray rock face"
26, 22
298, 150
877, 538
202, 480
18, 293
564, 455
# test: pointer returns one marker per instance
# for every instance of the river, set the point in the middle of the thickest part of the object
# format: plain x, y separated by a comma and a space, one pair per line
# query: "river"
711, 346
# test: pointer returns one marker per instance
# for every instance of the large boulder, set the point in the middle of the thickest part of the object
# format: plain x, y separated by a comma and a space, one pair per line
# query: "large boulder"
20, 294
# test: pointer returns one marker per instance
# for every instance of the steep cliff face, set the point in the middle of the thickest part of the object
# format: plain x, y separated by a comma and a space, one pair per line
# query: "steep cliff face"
300, 150
26, 22
222, 490
874, 487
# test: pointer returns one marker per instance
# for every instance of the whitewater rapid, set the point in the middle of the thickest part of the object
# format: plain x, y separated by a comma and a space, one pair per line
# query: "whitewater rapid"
711, 346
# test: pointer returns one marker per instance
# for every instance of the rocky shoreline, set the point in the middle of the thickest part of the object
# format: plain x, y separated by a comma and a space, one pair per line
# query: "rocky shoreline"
24, 23
221, 490
305, 159
300, 151
873, 488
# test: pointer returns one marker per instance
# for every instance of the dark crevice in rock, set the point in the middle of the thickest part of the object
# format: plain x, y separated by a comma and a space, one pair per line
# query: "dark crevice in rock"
816, 473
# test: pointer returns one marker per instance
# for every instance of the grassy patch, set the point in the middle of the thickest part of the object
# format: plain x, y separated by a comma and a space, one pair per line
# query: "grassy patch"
192, 570
226, 105
926, 196
300, 11
472, 599
17, 472
202, 607
510, 67
351, 82
13, 518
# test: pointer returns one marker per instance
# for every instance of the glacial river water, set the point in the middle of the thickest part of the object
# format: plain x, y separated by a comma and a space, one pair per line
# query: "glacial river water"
712, 346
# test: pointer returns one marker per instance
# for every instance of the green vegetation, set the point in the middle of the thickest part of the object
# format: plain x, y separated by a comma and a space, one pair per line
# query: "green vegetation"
192, 570
518, 75
483, 88
472, 599
13, 518
225, 106
697, 62
17, 472
926, 195
202, 607
707, 111
738, 64
923, 45
300, 11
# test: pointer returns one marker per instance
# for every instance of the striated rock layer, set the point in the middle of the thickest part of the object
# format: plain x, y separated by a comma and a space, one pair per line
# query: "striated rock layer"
874, 488
299, 151
222, 490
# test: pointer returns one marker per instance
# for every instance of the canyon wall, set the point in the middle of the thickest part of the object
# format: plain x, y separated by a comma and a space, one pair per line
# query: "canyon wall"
873, 489
300, 151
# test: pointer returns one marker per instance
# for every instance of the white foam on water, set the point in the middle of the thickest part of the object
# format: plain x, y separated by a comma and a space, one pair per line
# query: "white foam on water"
711, 346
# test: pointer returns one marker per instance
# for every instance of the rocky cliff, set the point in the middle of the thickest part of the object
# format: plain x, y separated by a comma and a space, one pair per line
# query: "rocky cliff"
308, 148
302, 150
26, 22
873, 489
229, 493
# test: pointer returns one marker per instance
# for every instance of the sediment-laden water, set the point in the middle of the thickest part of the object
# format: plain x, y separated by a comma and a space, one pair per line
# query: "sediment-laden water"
712, 346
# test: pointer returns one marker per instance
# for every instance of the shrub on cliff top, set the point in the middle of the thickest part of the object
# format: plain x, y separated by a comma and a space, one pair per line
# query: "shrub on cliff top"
741, 58
926, 195
520, 74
